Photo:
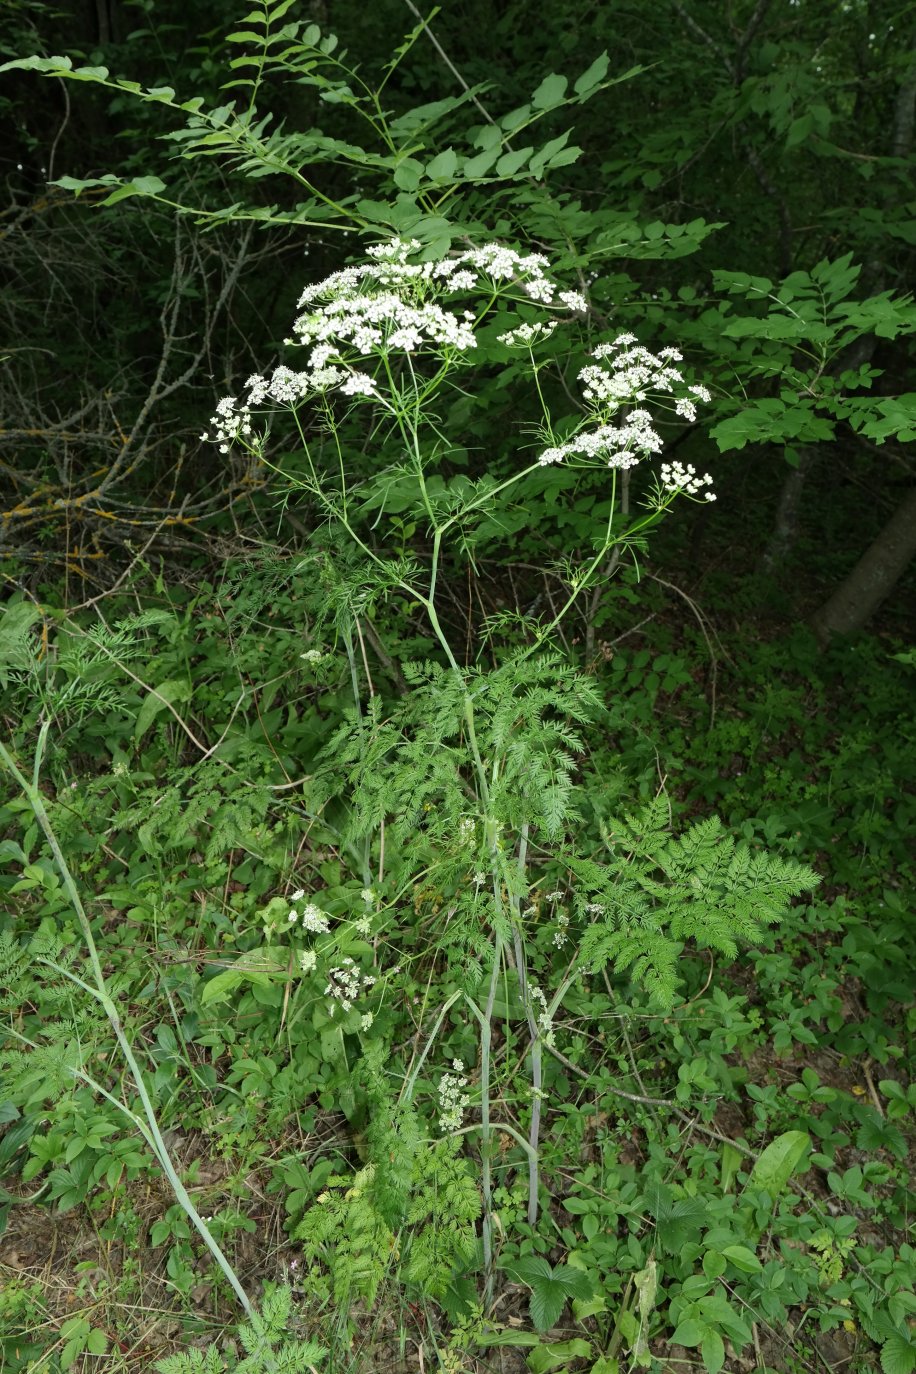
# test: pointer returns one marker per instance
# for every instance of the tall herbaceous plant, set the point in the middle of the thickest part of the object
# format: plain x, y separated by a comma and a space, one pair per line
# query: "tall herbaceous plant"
458, 798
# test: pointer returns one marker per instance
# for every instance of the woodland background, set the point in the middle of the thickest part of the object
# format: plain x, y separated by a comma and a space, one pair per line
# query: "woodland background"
736, 179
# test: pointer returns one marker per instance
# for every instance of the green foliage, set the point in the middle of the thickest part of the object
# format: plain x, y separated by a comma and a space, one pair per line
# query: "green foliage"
353, 1232
657, 893
266, 1342
442, 707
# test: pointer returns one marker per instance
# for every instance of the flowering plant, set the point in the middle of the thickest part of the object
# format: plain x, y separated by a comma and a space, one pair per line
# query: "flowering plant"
470, 769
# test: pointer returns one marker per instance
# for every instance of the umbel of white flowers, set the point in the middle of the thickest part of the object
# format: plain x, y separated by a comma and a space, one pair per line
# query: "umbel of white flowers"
357, 319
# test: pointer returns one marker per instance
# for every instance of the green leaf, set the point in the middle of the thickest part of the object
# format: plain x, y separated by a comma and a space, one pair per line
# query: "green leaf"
593, 76
442, 168
778, 1162
219, 988
574, 1281
713, 1351
548, 1299
166, 694
97, 1342
407, 174
742, 1258
508, 1336
530, 1270
731, 1163
545, 1357
479, 165
140, 186
898, 1355
550, 92
512, 162
689, 1332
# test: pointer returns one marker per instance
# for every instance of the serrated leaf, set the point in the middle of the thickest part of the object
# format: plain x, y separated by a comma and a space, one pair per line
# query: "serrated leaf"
548, 1299
576, 1282
898, 1355
530, 1269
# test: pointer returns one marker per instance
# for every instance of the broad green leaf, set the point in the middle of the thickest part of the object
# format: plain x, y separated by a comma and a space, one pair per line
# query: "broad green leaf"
689, 1332
550, 92
479, 165
742, 1258
548, 1299
545, 1357
575, 1281
442, 167
96, 1342
512, 162
713, 1351
544, 156
589, 1307
218, 989
407, 174
529, 1270
592, 76
898, 1355
166, 694
516, 118
778, 1162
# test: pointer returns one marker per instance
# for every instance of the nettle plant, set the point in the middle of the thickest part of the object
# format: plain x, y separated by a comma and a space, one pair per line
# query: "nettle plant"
457, 799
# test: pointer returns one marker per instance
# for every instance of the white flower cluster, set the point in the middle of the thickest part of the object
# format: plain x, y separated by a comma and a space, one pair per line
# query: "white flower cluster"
527, 334
385, 305
312, 918
453, 1099
620, 446
345, 984
231, 422
625, 374
677, 477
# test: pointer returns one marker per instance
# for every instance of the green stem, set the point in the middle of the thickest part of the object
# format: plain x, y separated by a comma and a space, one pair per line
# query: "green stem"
485, 1018
154, 1136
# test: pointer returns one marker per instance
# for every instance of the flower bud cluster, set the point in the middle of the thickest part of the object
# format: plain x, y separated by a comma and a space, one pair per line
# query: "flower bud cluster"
544, 1019
453, 1099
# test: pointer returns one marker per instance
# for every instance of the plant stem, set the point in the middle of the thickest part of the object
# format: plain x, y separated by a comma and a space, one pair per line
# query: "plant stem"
158, 1145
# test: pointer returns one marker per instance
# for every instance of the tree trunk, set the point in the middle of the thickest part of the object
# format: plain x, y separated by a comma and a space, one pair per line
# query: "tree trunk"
873, 578
785, 530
